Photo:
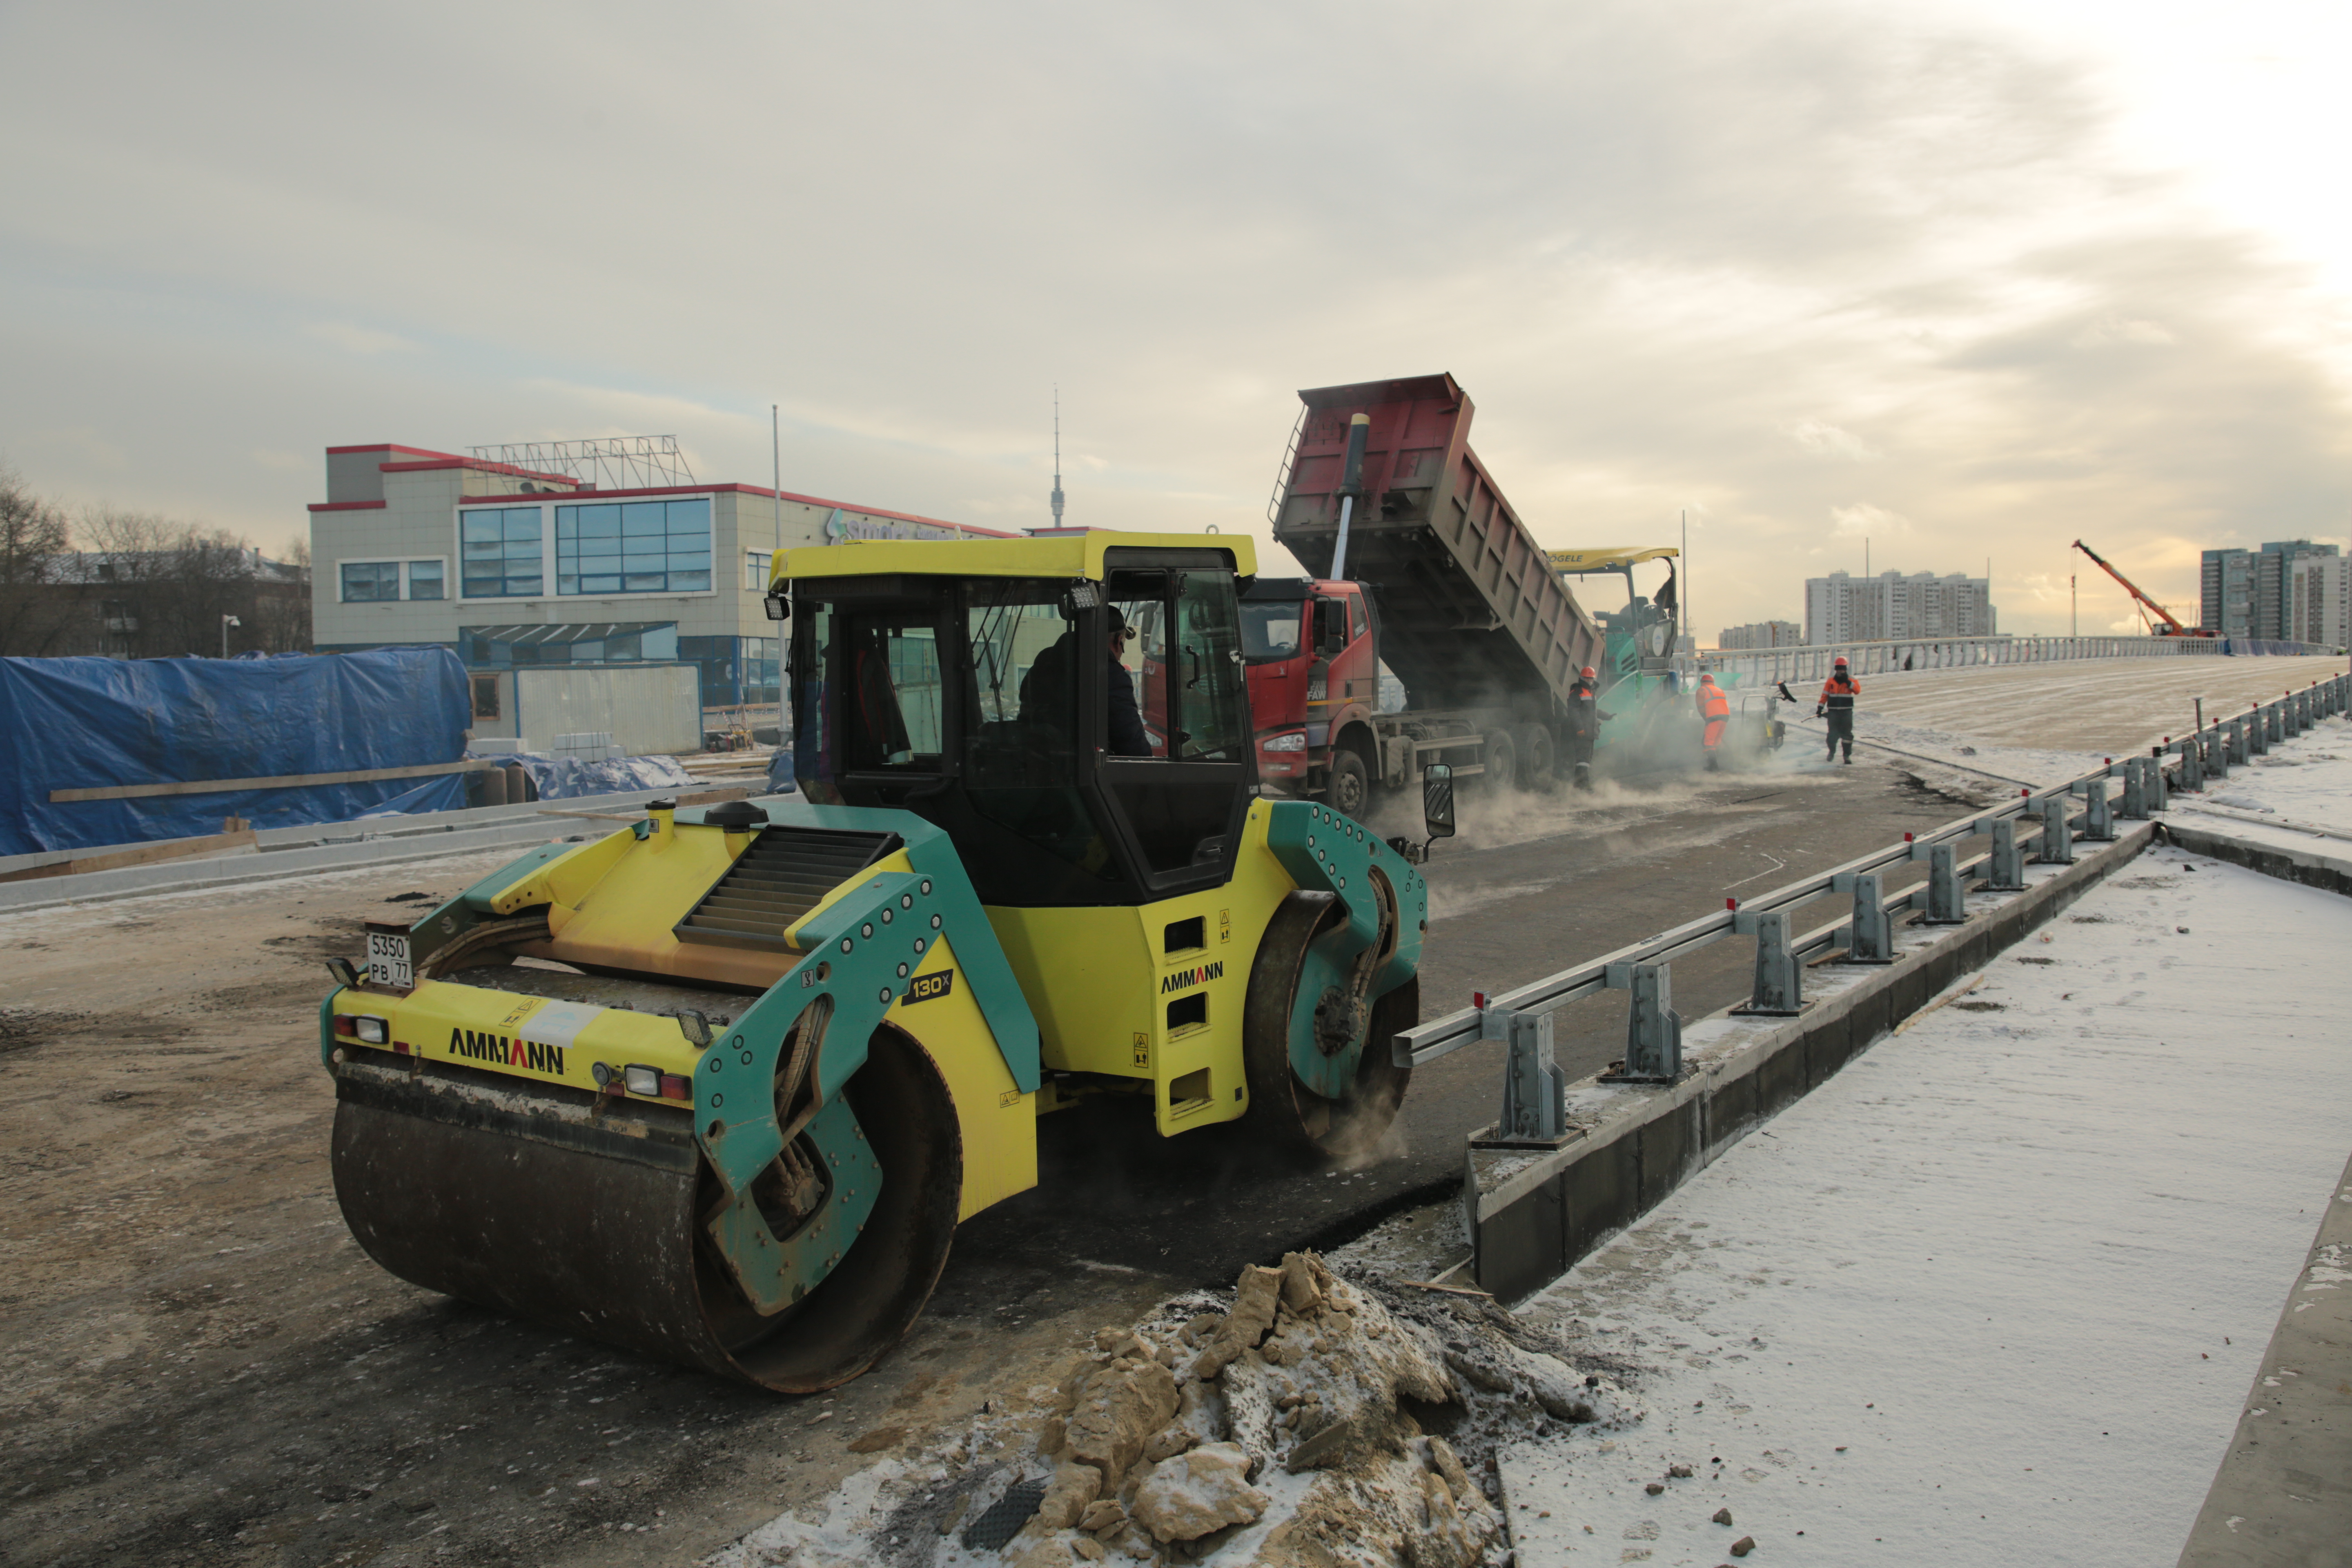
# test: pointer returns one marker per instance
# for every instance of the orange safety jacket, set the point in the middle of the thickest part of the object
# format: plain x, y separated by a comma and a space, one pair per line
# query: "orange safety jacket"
1713, 704
1838, 696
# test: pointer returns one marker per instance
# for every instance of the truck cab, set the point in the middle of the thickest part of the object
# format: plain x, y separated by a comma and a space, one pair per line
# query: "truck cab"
1311, 650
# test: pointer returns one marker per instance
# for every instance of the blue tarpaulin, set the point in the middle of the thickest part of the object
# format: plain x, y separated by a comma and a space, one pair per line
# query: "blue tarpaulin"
92, 724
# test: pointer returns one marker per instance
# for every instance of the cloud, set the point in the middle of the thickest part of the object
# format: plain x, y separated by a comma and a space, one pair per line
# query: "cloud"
2117, 329
359, 340
1686, 253
1828, 441
1863, 520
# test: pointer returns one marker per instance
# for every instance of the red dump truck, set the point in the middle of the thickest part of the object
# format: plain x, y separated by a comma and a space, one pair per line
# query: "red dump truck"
1420, 564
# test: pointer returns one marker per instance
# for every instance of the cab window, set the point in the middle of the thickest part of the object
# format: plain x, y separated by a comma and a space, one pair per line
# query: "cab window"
1356, 621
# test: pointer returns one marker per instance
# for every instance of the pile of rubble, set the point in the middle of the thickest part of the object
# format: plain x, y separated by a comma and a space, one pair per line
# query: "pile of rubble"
1314, 1422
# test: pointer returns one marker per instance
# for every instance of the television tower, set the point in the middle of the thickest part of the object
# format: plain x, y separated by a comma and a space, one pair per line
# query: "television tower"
1057, 456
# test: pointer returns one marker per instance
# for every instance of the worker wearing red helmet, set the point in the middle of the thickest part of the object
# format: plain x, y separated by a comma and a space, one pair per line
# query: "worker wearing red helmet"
1584, 716
1714, 712
1837, 701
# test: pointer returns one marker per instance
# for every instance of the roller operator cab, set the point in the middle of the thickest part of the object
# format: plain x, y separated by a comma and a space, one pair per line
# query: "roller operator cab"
719, 1085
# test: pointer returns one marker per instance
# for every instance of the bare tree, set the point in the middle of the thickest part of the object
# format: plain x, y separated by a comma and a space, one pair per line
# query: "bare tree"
33, 606
163, 588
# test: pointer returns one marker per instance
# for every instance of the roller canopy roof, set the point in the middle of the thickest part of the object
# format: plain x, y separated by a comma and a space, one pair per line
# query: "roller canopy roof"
1060, 556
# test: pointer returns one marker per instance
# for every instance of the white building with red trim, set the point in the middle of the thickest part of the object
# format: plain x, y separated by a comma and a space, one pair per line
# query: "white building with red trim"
513, 567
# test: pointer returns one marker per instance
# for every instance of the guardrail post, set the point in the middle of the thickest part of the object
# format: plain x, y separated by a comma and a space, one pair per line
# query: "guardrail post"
2098, 818
2005, 871
1780, 985
2274, 726
1871, 938
1653, 1030
1946, 901
2217, 752
1535, 1086
2135, 807
2159, 786
2057, 834
2192, 764
2238, 752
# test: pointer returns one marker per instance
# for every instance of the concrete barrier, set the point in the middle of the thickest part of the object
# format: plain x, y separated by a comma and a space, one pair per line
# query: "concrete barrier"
2307, 867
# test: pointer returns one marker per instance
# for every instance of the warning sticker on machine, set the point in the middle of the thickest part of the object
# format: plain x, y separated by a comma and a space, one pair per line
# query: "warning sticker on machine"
929, 987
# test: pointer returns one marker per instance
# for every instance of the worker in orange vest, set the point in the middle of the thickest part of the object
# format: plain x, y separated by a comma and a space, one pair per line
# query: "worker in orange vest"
1715, 709
1838, 693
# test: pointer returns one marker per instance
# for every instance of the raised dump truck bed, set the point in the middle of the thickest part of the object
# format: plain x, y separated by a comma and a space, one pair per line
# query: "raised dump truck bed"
1472, 614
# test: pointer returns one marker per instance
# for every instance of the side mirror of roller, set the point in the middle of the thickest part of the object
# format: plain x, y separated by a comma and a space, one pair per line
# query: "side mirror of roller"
1436, 802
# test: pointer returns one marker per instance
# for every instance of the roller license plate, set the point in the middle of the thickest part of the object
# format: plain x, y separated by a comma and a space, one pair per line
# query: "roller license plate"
388, 963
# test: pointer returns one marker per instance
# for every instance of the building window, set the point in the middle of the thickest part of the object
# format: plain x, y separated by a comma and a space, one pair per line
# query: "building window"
755, 570
370, 582
485, 696
425, 580
634, 547
502, 558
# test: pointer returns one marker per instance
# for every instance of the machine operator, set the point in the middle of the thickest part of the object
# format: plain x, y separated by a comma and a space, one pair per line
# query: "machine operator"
1838, 693
1047, 689
1715, 711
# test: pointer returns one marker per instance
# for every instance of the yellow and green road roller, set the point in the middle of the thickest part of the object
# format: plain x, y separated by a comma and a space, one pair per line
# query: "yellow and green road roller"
718, 1086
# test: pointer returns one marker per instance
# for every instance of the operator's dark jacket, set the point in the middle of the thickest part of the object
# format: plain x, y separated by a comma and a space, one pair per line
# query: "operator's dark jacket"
1046, 697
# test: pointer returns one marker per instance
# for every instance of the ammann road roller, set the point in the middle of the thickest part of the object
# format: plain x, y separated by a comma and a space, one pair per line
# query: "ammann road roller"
718, 1086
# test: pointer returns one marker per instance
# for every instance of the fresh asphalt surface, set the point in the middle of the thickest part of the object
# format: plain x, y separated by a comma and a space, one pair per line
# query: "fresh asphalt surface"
198, 1366
1535, 887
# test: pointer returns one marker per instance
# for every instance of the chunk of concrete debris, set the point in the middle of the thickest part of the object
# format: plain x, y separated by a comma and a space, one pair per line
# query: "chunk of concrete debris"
1256, 1298
1050, 1552
1301, 1291
1118, 1408
1052, 1433
1168, 1442
1678, 1472
1723, 1516
1325, 1445
1743, 1546
1103, 1513
1655, 1488
1446, 1463
1073, 1486
1186, 1497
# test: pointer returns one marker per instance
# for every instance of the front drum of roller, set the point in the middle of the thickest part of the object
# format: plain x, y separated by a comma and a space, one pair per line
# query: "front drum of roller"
590, 1224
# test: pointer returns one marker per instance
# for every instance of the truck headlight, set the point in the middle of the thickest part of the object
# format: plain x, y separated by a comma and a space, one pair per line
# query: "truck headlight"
1294, 742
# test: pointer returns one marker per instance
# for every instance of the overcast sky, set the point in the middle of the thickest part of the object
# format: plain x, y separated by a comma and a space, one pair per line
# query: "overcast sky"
1967, 282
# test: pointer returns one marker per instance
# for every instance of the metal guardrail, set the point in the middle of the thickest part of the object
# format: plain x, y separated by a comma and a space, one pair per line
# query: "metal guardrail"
2042, 823
1810, 662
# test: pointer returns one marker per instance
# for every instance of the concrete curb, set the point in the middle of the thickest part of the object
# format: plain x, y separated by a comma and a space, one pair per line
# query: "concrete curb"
2307, 867
231, 870
1533, 1216
2285, 1489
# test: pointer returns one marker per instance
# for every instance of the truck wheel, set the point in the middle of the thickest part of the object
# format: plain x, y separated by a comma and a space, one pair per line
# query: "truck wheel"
1350, 789
1284, 1109
1502, 760
1536, 756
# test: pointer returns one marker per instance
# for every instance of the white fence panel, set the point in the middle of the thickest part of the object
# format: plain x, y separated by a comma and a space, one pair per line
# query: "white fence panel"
649, 710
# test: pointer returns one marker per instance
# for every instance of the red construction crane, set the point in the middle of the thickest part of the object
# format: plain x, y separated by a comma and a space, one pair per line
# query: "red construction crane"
2171, 626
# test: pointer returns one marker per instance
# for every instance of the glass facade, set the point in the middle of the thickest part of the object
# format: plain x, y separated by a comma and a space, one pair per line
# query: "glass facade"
502, 551
426, 580
634, 547
734, 670
369, 582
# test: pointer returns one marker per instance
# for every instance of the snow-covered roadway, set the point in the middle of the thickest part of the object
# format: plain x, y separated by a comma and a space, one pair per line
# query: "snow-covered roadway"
1996, 1292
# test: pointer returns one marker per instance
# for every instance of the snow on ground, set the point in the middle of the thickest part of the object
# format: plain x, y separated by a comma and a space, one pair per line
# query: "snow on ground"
1995, 1292
2108, 706
2303, 783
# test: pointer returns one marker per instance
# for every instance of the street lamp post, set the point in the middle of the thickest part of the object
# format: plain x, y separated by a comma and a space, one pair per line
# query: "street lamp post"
227, 622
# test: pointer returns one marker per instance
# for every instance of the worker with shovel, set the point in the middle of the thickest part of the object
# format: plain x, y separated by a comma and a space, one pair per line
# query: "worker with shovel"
1838, 693
1584, 716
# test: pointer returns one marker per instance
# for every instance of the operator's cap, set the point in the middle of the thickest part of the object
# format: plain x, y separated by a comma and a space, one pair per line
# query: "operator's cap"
1588, 673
